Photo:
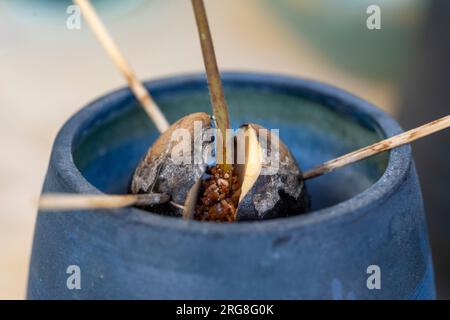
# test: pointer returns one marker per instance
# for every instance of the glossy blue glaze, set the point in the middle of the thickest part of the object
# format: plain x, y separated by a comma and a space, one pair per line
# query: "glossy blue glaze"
370, 213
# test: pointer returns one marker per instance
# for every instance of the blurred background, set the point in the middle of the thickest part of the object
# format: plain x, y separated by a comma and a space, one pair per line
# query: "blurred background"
49, 72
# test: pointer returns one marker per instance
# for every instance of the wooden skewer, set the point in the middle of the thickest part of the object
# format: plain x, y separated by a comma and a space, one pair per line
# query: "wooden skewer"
219, 104
136, 86
70, 201
384, 145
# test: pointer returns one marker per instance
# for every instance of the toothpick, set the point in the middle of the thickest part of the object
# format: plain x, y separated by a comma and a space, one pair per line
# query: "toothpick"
376, 148
136, 86
71, 201
219, 104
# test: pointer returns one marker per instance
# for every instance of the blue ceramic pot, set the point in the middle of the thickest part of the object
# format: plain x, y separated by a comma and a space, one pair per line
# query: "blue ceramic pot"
368, 214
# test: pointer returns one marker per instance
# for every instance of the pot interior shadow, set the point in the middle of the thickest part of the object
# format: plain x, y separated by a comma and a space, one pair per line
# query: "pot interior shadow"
108, 151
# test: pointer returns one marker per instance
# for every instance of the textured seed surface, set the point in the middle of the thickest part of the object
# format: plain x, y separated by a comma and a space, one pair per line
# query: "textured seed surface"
159, 173
277, 195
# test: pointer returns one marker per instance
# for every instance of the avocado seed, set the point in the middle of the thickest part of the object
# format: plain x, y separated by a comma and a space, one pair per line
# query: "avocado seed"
269, 189
258, 189
161, 172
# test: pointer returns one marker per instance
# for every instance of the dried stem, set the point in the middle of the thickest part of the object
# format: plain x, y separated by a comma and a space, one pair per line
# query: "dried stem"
70, 201
113, 51
218, 101
384, 145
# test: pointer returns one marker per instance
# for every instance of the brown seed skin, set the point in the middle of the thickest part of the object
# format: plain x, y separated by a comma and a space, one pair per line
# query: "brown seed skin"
279, 195
157, 172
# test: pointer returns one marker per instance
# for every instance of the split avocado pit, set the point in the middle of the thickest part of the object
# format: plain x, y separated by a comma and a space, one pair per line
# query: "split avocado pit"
255, 188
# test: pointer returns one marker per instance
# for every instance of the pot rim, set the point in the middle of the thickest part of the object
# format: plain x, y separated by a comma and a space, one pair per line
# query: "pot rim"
399, 161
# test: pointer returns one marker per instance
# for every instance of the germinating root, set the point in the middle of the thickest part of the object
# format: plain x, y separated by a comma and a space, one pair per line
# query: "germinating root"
219, 197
